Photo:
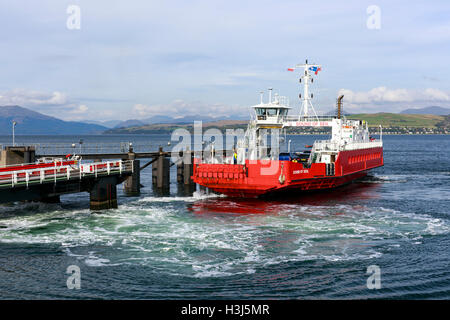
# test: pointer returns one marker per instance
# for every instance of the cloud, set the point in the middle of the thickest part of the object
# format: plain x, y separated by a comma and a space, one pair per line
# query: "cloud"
179, 108
81, 109
51, 103
27, 98
395, 98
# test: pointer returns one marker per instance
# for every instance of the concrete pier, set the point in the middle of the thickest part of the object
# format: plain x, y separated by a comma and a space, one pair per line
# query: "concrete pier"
103, 193
188, 167
180, 169
185, 168
99, 178
132, 184
11, 155
161, 172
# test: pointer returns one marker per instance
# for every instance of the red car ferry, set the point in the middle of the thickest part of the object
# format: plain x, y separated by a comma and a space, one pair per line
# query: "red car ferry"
257, 168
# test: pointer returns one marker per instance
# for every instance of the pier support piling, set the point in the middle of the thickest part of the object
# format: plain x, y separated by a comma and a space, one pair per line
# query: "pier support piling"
180, 168
103, 194
17, 155
188, 170
132, 184
161, 172
185, 168
51, 199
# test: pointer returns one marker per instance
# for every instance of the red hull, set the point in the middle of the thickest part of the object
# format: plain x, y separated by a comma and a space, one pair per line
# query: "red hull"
257, 178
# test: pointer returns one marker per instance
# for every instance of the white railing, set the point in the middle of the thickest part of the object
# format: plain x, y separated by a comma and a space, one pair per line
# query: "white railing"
363, 145
280, 119
65, 172
328, 145
309, 118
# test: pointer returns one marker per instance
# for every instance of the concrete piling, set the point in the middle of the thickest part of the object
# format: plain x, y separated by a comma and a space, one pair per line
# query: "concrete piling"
132, 184
161, 172
180, 169
188, 167
51, 199
11, 155
185, 168
103, 194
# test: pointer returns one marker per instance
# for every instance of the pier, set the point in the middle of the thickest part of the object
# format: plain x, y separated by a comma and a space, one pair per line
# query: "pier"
97, 171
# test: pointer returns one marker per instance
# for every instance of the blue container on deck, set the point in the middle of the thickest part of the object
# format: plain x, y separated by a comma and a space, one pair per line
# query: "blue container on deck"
284, 157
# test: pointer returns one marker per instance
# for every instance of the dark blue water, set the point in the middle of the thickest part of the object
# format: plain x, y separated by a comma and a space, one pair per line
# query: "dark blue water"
209, 247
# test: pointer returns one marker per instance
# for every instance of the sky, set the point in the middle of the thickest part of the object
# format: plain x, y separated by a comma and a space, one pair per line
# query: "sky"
137, 59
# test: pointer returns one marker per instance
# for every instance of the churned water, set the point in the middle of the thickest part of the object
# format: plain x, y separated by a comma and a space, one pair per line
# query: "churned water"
212, 247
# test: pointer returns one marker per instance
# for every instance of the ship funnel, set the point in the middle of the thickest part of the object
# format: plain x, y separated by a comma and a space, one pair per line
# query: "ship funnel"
339, 106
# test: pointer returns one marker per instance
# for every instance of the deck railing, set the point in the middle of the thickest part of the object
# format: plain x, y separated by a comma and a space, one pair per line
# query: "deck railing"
328, 145
26, 177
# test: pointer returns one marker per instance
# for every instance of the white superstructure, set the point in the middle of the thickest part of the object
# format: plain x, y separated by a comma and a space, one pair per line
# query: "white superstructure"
272, 118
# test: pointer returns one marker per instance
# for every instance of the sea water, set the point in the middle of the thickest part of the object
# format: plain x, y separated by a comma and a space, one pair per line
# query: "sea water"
204, 246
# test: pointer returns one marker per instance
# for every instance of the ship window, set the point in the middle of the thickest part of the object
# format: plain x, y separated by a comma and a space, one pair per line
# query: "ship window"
271, 112
283, 112
261, 112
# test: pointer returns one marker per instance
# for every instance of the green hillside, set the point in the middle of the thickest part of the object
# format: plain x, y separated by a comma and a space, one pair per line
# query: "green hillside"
403, 123
399, 120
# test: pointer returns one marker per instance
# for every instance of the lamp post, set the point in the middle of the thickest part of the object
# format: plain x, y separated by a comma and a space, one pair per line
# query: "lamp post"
13, 134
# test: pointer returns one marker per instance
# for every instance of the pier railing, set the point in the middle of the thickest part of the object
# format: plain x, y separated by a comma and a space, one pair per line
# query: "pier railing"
25, 177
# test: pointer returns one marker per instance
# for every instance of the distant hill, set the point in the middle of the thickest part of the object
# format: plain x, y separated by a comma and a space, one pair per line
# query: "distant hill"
399, 120
31, 122
169, 127
160, 119
130, 123
428, 110
106, 123
387, 120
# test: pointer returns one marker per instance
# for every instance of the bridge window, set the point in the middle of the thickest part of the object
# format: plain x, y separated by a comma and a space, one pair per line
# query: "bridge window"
261, 112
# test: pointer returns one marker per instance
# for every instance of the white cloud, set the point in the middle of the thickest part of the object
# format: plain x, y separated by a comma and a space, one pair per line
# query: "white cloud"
55, 103
395, 98
81, 109
28, 98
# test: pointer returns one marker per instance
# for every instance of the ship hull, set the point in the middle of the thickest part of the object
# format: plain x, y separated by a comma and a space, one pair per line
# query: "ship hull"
272, 177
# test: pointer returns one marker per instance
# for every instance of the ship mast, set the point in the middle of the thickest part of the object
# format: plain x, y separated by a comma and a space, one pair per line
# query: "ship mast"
307, 108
